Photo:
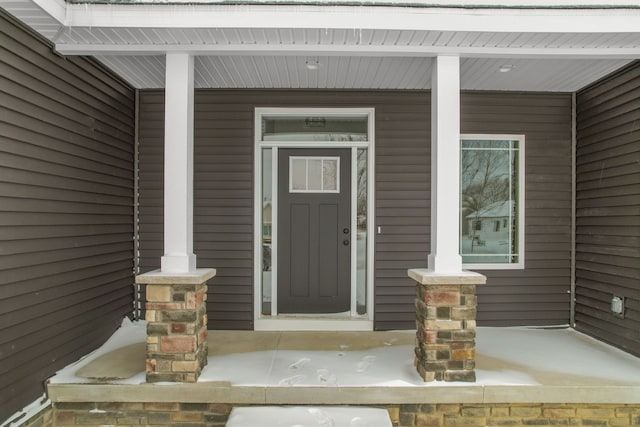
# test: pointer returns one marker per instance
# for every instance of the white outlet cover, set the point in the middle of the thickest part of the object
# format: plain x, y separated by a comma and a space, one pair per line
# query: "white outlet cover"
617, 305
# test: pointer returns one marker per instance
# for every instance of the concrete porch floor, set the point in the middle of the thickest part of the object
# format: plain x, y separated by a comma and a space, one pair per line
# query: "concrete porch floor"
518, 365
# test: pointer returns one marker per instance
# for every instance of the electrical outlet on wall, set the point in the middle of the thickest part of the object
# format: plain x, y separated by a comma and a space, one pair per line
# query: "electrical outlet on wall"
617, 306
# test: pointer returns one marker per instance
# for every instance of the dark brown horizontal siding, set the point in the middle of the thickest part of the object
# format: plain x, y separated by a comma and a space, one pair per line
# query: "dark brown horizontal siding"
223, 194
403, 203
608, 208
223, 212
66, 211
539, 294
224, 197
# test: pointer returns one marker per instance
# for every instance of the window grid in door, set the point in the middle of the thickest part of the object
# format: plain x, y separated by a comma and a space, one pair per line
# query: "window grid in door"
314, 174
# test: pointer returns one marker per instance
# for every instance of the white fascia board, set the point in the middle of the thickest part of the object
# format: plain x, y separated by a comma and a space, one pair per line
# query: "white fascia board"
466, 3
353, 50
353, 17
503, 3
475, 4
57, 9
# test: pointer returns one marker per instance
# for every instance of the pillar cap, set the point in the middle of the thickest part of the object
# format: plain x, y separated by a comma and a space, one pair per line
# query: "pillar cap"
157, 277
425, 276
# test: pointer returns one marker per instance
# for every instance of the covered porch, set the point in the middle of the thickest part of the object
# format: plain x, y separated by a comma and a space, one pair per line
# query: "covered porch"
197, 74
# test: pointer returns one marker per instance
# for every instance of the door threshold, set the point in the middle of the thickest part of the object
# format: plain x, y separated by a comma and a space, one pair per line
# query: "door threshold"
343, 315
313, 323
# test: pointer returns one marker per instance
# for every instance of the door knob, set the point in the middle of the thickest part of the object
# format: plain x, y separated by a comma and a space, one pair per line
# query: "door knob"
345, 230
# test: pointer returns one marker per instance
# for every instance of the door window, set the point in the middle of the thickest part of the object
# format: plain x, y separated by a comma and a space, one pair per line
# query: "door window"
314, 174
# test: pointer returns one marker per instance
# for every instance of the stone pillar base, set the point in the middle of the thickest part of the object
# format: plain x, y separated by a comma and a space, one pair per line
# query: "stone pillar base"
176, 324
446, 325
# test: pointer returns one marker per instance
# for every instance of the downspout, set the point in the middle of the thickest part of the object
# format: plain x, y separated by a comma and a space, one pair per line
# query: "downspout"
136, 211
572, 317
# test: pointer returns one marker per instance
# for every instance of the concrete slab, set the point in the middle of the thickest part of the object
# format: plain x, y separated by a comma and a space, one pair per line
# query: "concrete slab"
343, 341
517, 365
157, 392
121, 363
373, 395
230, 342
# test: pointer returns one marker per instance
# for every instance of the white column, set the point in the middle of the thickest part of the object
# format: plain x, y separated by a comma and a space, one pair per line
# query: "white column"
445, 166
178, 165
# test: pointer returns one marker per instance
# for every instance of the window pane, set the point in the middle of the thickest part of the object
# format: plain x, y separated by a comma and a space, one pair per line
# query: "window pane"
362, 220
308, 128
314, 174
266, 230
298, 174
489, 201
330, 175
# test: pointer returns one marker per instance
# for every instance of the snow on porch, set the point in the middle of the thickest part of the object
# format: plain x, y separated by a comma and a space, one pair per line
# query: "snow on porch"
517, 364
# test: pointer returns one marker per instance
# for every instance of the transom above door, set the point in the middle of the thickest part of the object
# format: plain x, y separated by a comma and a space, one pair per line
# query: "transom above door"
314, 230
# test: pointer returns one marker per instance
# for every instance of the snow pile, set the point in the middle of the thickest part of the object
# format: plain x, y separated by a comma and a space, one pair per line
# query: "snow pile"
296, 416
128, 334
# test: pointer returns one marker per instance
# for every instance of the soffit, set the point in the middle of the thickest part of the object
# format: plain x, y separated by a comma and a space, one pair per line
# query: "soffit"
365, 72
360, 58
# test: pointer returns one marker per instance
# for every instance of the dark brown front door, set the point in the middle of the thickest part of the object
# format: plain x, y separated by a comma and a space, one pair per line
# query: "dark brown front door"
314, 230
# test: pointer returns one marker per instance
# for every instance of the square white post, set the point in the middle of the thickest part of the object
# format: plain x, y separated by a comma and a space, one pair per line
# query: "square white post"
445, 166
178, 165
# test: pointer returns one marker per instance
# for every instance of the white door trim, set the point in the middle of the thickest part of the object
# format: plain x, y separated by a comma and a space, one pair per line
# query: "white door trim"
351, 321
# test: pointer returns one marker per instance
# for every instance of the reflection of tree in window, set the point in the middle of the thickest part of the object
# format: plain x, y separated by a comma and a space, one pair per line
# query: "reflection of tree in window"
488, 184
362, 189
329, 174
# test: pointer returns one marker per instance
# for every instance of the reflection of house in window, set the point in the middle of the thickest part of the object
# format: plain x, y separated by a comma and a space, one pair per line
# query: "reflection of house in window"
491, 196
266, 236
486, 222
266, 222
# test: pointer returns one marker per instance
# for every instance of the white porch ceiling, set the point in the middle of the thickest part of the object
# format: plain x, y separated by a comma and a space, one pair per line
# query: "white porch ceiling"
271, 52
364, 72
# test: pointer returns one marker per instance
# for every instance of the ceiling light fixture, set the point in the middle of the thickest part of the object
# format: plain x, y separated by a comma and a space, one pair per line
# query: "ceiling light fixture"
506, 68
313, 64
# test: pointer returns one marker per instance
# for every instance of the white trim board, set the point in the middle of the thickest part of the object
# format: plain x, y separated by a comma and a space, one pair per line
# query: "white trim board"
348, 321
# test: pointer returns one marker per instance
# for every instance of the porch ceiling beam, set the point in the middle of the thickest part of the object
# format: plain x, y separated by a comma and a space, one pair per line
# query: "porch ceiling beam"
342, 50
352, 17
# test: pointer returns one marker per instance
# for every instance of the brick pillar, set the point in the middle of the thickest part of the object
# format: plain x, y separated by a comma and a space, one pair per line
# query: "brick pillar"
176, 324
446, 325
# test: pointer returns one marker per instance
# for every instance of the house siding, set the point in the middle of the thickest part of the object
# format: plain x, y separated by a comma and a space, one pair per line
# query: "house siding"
223, 211
608, 208
66, 210
539, 294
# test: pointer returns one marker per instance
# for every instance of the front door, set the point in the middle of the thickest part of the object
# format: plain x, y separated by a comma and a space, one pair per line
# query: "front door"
314, 230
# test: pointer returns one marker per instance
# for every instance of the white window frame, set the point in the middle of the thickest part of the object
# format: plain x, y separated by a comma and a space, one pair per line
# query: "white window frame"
307, 190
356, 322
520, 265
